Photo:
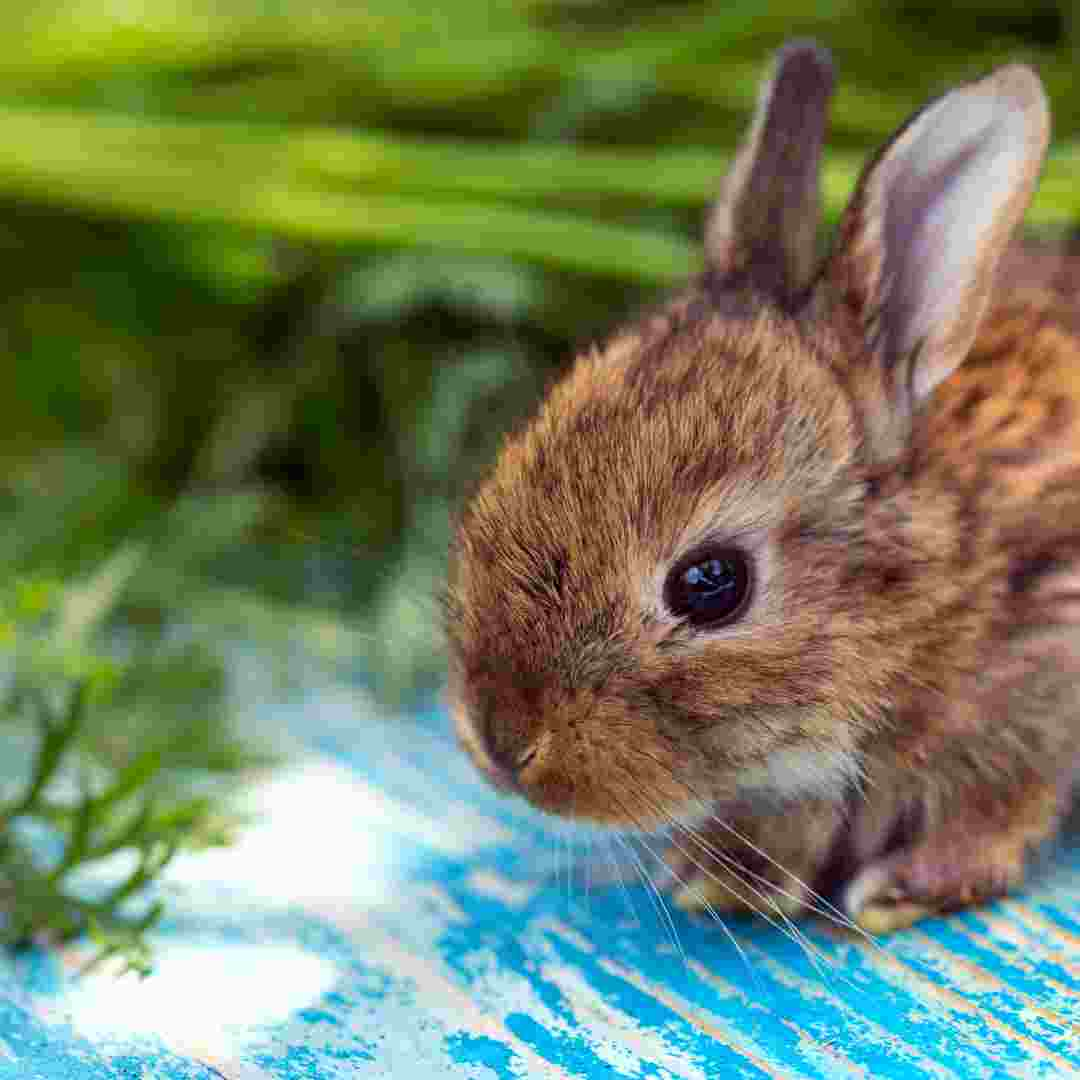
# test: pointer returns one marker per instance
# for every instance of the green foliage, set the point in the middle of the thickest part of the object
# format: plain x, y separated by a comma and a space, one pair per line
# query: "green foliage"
216, 137
294, 267
116, 743
125, 816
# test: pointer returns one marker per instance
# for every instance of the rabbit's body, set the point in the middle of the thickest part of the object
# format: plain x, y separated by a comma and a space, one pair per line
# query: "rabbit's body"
775, 569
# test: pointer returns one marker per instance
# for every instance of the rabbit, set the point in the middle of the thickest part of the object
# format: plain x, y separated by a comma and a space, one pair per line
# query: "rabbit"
789, 569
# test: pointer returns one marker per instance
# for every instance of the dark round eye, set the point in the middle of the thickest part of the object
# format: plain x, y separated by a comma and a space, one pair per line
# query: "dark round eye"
709, 587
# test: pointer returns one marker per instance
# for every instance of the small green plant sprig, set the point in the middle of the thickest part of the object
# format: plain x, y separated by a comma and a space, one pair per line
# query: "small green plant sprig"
125, 816
82, 794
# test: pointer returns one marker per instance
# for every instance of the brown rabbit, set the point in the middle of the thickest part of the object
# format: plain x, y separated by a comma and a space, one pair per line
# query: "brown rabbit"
792, 568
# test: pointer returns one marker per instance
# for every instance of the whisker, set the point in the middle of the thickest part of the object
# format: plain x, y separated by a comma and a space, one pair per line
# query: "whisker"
838, 916
563, 880
711, 910
821, 905
811, 899
786, 926
788, 929
655, 898
555, 871
609, 850
571, 867
663, 908
588, 840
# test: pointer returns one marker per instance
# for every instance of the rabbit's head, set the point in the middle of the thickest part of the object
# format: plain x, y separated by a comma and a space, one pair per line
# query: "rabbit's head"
693, 577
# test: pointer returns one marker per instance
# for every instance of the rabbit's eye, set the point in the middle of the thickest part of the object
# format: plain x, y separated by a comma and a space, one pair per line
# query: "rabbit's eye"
709, 587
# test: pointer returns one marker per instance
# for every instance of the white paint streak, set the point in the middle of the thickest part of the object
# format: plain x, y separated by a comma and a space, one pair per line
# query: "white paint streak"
812, 990
826, 1058
202, 1001
616, 1037
551, 925
969, 1017
1033, 946
975, 982
439, 903
711, 1026
292, 856
454, 1008
495, 886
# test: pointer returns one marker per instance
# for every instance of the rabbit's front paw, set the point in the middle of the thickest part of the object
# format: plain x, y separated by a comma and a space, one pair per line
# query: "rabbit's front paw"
972, 858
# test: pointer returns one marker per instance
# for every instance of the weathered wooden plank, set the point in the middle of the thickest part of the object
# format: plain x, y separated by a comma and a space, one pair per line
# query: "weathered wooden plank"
391, 917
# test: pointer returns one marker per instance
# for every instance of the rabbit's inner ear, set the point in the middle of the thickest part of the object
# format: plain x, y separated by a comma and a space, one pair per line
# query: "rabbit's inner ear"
763, 228
918, 245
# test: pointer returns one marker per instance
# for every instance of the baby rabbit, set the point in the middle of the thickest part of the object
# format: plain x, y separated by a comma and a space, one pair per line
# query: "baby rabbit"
791, 569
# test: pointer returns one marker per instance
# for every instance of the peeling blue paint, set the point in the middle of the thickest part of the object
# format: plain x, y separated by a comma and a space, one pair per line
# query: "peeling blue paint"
465, 1049
438, 939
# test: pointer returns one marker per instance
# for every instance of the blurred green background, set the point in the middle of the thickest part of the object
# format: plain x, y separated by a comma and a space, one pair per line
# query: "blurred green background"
274, 275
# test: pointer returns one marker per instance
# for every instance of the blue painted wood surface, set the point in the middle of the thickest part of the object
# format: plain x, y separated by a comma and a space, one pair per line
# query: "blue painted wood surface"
389, 916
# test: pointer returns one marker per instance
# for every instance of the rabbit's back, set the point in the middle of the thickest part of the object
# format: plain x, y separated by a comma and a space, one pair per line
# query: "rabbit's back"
1005, 427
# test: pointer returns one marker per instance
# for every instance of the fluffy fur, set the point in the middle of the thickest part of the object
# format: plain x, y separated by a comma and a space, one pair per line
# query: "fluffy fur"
896, 717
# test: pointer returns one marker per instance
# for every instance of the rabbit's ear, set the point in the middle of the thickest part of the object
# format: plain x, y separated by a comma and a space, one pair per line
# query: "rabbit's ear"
763, 228
932, 214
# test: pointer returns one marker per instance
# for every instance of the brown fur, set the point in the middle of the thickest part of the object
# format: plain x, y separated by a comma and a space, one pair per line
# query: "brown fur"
912, 654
